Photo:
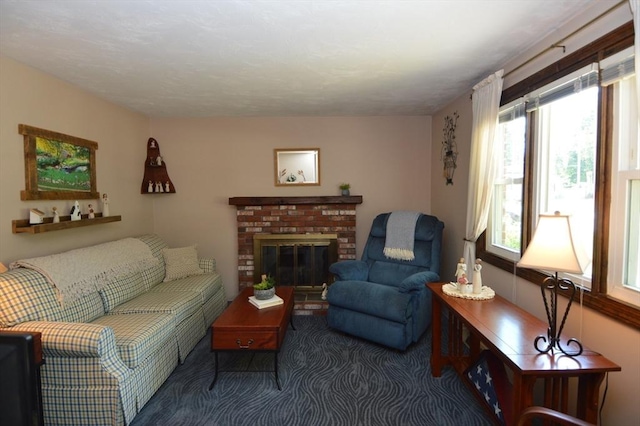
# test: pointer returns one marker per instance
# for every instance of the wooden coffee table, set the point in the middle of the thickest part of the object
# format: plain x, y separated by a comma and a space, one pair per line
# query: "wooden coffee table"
244, 328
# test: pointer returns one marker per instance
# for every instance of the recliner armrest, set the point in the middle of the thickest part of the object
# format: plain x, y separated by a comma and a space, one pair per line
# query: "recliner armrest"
350, 270
417, 281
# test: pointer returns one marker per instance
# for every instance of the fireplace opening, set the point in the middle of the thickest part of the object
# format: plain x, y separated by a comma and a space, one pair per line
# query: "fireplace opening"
298, 260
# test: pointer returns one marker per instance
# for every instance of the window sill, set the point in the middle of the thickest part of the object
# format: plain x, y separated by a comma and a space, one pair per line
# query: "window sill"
603, 304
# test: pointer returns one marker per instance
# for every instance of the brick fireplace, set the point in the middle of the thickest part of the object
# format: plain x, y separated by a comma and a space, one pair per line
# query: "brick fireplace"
293, 215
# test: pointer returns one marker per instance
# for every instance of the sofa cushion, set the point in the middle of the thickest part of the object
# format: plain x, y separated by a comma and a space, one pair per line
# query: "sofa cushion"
180, 304
25, 295
154, 275
181, 262
84, 309
139, 336
206, 285
122, 289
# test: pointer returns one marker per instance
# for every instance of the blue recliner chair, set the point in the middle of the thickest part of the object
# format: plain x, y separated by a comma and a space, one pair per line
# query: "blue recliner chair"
385, 300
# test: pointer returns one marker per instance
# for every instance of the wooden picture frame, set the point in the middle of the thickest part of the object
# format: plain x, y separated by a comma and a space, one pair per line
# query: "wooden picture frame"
297, 166
58, 166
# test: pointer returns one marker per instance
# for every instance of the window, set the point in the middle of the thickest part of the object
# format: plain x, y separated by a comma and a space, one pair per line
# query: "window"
564, 146
624, 235
576, 150
504, 226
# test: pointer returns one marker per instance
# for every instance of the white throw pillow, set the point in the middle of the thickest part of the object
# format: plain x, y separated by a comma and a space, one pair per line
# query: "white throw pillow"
180, 263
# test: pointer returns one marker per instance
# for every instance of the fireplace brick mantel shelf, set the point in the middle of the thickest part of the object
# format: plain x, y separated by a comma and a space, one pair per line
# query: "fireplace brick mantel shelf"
293, 215
266, 201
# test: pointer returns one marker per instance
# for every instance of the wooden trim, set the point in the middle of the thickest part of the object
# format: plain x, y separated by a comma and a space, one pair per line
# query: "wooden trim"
602, 194
272, 201
613, 42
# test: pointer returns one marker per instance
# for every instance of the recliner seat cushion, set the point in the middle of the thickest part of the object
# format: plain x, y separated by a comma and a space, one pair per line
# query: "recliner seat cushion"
372, 299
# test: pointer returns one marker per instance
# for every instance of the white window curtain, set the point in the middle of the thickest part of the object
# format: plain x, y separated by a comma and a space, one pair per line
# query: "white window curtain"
635, 10
482, 169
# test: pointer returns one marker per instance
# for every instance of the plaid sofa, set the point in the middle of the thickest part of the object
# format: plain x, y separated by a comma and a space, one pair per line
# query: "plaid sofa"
107, 353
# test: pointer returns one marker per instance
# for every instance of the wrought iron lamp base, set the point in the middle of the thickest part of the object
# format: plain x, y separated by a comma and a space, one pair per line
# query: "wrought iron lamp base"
552, 339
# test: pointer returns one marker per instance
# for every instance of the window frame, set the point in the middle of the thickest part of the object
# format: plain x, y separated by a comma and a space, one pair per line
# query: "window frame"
596, 298
496, 249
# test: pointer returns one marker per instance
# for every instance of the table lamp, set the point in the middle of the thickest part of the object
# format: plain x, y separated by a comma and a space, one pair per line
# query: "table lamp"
552, 248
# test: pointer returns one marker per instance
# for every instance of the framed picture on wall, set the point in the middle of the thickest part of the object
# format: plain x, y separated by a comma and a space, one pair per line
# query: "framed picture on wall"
297, 166
58, 166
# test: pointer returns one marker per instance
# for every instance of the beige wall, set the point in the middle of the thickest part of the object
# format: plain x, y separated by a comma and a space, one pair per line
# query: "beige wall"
386, 160
28, 96
393, 162
617, 342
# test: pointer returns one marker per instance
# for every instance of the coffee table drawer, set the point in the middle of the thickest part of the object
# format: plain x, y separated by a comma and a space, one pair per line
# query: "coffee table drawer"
244, 340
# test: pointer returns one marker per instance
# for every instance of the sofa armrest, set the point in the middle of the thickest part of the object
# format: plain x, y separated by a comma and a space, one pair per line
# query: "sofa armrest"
350, 270
417, 281
207, 264
81, 361
72, 339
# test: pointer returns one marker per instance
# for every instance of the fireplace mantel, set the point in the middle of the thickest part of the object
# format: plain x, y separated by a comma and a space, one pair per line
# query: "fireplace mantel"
274, 201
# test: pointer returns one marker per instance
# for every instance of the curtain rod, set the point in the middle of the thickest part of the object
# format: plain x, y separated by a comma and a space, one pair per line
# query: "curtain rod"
558, 43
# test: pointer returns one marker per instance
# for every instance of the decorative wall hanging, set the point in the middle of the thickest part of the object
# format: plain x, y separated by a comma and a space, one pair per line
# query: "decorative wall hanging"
297, 166
156, 177
58, 166
450, 147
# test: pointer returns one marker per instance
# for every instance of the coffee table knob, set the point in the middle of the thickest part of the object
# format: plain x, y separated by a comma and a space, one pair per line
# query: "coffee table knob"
241, 346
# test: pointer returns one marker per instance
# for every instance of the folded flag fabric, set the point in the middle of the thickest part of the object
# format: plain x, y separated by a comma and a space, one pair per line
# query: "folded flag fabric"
401, 228
488, 377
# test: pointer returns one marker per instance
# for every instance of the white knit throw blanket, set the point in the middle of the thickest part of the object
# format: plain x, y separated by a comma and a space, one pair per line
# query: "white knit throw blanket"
401, 228
79, 272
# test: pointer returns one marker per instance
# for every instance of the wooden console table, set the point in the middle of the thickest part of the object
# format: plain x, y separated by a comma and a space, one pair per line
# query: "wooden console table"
508, 332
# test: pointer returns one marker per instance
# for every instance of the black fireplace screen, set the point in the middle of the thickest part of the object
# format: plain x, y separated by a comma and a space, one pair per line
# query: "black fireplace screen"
299, 260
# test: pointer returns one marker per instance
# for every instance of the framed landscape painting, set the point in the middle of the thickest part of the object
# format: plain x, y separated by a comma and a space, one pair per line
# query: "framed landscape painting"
58, 166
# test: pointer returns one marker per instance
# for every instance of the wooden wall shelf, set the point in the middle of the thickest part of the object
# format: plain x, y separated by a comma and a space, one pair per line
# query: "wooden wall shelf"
22, 225
274, 201
156, 177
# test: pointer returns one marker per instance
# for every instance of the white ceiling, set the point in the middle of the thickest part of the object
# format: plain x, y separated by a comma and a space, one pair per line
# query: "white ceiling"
276, 58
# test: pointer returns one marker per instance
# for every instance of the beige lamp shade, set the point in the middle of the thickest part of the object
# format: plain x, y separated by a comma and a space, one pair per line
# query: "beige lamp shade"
2, 268
552, 247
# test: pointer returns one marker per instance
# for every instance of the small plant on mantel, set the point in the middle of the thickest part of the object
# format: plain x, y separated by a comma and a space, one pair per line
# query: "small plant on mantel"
344, 187
267, 283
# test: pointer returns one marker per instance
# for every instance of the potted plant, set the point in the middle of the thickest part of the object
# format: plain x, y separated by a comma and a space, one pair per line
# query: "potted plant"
344, 187
266, 288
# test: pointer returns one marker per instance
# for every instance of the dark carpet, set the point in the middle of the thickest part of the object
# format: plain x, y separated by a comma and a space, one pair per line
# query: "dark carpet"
327, 378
